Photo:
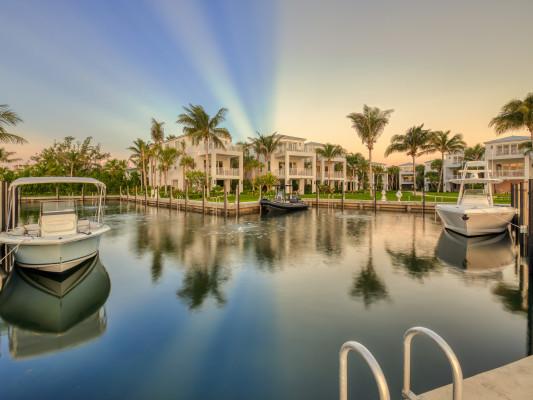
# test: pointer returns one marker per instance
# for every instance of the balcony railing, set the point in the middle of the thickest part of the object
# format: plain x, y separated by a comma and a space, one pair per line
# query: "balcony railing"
300, 172
507, 152
509, 173
228, 171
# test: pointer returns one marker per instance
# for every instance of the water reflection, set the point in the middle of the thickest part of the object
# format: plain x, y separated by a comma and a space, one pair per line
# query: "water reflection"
47, 313
200, 283
476, 254
367, 284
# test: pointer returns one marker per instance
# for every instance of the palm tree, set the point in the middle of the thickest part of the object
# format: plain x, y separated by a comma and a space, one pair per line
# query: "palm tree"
441, 142
157, 134
5, 156
393, 173
516, 114
328, 153
167, 157
266, 145
187, 163
415, 143
369, 126
9, 118
140, 156
353, 162
200, 127
474, 153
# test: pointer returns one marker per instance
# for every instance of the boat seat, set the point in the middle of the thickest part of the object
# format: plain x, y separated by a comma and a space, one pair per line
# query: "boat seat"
58, 224
32, 229
84, 225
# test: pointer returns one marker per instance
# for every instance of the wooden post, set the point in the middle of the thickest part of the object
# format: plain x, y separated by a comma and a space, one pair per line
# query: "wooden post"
203, 199
521, 219
82, 194
343, 195
530, 223
57, 192
317, 195
157, 196
186, 195
145, 195
423, 199
226, 202
135, 194
238, 201
170, 199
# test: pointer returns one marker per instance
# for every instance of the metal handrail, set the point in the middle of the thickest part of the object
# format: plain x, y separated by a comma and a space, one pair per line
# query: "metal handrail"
452, 358
383, 388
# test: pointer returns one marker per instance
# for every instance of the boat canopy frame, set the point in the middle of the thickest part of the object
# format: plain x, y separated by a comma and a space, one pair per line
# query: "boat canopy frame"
46, 180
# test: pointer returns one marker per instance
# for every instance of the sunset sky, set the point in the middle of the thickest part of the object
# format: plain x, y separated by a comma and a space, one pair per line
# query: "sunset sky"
105, 68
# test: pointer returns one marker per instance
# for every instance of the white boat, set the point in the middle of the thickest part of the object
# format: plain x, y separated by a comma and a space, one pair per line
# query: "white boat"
475, 213
60, 240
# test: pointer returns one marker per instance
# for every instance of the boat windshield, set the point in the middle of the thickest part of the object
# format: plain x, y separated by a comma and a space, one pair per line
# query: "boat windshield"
58, 207
477, 197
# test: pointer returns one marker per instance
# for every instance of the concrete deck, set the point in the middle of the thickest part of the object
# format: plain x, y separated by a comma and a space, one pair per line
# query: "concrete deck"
510, 382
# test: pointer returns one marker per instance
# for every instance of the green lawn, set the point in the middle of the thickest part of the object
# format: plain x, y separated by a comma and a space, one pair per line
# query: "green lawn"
439, 197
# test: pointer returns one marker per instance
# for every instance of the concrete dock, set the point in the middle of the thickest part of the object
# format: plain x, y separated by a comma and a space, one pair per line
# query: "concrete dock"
510, 382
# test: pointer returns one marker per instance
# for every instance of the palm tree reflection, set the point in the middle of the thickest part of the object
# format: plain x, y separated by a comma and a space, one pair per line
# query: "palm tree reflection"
200, 283
367, 284
417, 266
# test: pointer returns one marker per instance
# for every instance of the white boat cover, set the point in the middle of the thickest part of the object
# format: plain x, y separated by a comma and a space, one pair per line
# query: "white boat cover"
40, 180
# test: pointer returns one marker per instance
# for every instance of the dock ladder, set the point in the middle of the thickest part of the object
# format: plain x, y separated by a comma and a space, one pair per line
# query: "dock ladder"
383, 388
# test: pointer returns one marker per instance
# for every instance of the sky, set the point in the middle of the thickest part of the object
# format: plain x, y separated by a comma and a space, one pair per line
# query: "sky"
104, 68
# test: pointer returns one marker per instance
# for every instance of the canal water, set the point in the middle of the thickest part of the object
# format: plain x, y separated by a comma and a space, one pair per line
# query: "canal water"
198, 307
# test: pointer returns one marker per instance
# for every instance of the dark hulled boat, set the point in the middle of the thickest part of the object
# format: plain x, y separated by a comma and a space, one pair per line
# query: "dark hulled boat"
283, 203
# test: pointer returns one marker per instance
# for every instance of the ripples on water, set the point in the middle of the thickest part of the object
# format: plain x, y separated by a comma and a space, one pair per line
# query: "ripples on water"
202, 307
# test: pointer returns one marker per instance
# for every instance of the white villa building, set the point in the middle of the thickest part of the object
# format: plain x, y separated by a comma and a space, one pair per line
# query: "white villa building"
452, 165
506, 160
296, 160
225, 164
406, 176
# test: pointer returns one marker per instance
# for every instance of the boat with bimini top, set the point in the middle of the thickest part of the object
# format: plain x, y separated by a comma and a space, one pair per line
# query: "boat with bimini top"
475, 213
60, 240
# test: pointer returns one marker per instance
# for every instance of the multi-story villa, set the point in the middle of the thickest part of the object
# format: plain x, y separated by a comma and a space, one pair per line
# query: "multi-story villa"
507, 160
225, 164
406, 180
296, 160
451, 167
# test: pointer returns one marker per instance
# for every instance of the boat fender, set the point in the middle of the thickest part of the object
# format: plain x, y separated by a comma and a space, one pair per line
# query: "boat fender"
465, 217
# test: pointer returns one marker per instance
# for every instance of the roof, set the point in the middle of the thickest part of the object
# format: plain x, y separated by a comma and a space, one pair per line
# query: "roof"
314, 143
513, 138
291, 137
40, 180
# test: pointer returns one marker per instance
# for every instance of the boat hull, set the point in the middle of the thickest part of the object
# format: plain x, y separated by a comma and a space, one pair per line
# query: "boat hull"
54, 255
279, 207
475, 221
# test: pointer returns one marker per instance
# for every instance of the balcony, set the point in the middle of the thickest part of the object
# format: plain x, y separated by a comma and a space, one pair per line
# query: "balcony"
331, 175
301, 172
228, 172
509, 173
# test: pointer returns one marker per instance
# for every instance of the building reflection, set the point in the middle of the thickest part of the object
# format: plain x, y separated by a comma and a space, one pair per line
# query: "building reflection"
47, 313
207, 247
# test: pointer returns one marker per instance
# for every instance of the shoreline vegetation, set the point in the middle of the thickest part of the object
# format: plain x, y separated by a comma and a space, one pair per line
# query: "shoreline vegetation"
151, 159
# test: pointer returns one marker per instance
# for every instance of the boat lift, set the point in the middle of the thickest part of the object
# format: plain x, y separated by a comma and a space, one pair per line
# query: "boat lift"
381, 382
